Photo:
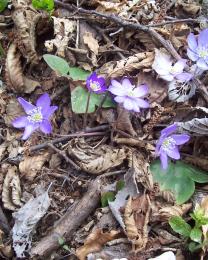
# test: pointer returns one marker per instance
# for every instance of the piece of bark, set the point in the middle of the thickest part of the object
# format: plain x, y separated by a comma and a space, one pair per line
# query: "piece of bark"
69, 223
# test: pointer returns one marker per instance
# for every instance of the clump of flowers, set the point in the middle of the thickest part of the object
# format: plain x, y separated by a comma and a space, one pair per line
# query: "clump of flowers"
167, 145
198, 49
96, 84
37, 117
167, 70
129, 95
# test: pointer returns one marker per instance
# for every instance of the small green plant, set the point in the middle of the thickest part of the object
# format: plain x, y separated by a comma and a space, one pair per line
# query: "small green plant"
192, 235
63, 244
3, 5
79, 95
179, 178
46, 5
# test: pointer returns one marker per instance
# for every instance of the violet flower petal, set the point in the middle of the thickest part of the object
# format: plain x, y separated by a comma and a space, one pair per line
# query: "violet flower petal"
136, 107
46, 127
202, 64
203, 38
118, 91
44, 102
115, 83
180, 138
127, 83
142, 103
49, 112
184, 76
192, 43
192, 55
128, 104
169, 130
119, 99
26, 105
167, 77
29, 129
173, 153
164, 160
20, 122
140, 91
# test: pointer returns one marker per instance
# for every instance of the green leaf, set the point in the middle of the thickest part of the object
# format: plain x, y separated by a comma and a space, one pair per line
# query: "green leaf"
180, 226
194, 173
120, 185
199, 216
106, 197
3, 5
196, 235
79, 98
78, 74
61, 241
57, 64
66, 247
175, 179
47, 5
193, 247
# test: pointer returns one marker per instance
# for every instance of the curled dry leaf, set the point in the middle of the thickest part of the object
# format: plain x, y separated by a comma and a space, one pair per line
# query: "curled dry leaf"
31, 165
141, 168
123, 121
14, 73
13, 110
63, 31
25, 221
98, 160
95, 241
196, 126
91, 42
167, 212
120, 68
138, 236
11, 194
25, 19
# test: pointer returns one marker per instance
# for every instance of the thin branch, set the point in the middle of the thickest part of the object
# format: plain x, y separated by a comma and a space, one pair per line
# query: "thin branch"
188, 20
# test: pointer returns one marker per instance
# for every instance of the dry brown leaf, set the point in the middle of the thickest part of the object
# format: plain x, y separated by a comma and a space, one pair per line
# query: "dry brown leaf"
137, 234
91, 42
120, 68
155, 117
14, 74
167, 212
63, 31
140, 166
204, 206
191, 8
25, 19
3, 148
31, 165
123, 121
11, 194
94, 242
13, 110
98, 160
55, 161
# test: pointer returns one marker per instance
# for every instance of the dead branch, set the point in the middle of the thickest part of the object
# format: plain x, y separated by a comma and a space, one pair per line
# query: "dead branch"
69, 223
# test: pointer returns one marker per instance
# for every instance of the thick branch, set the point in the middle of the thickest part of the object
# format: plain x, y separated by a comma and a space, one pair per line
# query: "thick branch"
69, 223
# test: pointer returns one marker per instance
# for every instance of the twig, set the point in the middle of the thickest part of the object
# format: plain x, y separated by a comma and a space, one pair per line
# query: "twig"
188, 20
63, 139
70, 221
109, 174
62, 154
125, 24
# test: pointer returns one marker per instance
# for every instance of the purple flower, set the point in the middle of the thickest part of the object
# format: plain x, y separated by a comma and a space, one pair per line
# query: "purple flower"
96, 84
168, 143
129, 95
37, 116
163, 65
198, 49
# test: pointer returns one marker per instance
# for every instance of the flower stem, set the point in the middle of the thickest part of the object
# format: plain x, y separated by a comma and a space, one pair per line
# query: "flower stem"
86, 112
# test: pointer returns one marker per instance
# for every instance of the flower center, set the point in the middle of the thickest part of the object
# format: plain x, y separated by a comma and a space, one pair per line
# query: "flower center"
173, 70
35, 115
203, 52
95, 86
168, 144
